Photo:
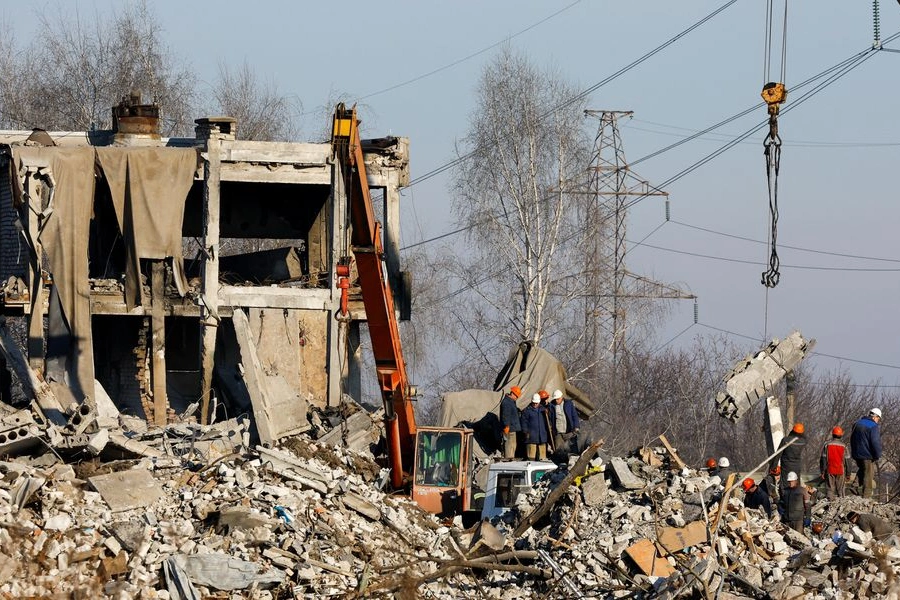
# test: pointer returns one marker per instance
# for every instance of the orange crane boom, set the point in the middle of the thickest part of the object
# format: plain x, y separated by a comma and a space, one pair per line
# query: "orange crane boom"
400, 420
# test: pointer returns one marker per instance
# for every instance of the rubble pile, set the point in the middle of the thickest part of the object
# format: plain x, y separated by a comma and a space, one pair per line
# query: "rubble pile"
673, 539
261, 523
189, 512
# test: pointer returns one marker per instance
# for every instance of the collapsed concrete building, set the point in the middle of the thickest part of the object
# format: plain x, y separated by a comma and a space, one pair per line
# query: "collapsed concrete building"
187, 273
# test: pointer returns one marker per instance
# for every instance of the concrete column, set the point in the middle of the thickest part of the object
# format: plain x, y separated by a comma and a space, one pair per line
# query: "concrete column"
209, 318
339, 242
392, 232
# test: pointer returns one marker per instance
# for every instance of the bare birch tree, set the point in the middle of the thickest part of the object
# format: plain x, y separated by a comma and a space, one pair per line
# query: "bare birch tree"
512, 194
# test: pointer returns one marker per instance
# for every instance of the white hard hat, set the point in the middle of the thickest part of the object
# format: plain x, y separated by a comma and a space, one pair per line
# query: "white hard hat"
876, 412
792, 476
536, 399
723, 462
557, 394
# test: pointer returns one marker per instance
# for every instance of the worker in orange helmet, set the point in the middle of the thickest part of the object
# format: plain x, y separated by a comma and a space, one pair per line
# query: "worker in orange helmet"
710, 464
834, 464
756, 497
510, 421
791, 458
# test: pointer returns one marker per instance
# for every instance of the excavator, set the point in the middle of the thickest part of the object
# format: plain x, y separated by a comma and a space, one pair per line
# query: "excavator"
439, 459
435, 462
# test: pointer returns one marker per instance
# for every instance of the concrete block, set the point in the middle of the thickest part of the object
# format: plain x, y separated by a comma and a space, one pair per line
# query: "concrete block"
594, 489
623, 474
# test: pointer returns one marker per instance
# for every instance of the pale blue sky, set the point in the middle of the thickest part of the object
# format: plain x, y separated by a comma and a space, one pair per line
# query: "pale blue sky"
835, 196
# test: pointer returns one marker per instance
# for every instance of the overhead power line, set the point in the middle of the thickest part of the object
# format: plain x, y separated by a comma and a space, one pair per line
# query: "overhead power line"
451, 164
798, 248
469, 56
836, 72
758, 263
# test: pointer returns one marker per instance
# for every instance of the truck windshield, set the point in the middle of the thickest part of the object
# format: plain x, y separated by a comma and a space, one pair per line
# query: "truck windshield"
437, 458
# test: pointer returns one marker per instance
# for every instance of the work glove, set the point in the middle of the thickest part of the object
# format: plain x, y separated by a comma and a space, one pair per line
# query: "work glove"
506, 430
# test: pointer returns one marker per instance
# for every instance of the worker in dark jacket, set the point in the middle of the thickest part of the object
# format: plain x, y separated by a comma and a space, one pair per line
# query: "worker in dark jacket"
509, 421
791, 458
834, 464
793, 503
534, 424
880, 529
564, 419
756, 497
865, 447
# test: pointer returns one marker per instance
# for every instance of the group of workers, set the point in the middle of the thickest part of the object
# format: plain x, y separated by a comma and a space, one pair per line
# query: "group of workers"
793, 498
548, 419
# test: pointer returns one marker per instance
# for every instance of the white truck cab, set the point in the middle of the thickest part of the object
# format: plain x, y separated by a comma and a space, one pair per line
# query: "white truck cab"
506, 480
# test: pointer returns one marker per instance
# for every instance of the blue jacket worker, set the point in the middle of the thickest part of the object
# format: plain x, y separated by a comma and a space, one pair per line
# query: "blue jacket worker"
865, 448
510, 421
534, 424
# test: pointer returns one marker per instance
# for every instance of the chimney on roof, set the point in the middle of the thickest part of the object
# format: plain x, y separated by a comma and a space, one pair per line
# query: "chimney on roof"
223, 128
133, 121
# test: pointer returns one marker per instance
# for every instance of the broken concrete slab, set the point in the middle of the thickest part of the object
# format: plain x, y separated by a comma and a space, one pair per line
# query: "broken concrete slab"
361, 505
126, 490
623, 474
223, 572
757, 374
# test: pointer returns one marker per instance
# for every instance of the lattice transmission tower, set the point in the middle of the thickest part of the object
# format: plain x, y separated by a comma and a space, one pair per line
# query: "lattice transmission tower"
613, 184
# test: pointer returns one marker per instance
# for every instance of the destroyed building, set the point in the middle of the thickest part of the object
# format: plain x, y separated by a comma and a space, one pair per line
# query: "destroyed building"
130, 258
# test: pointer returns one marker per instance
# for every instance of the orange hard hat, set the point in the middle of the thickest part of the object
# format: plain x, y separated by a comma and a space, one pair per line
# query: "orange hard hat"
710, 463
798, 428
837, 432
544, 394
515, 391
776, 470
747, 484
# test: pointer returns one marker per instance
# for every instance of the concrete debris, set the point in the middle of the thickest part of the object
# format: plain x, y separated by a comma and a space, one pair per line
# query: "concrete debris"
187, 511
755, 376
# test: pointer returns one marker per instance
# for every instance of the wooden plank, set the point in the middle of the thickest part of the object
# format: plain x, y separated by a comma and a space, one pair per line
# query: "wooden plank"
672, 453
723, 505
254, 377
648, 559
210, 294
158, 343
674, 539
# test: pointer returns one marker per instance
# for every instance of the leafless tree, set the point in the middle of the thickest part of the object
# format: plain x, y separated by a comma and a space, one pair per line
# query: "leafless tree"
263, 113
527, 146
74, 71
